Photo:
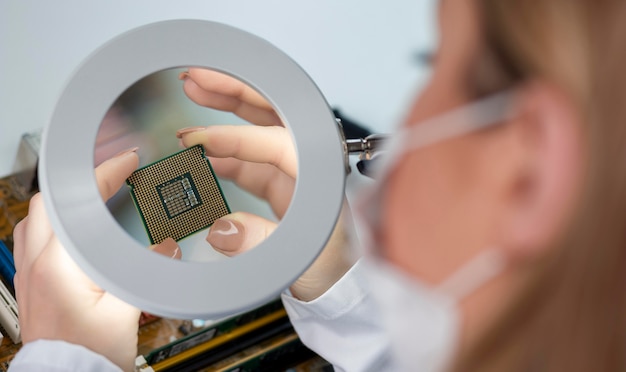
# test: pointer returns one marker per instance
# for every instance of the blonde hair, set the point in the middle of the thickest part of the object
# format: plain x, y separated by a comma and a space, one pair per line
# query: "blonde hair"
572, 316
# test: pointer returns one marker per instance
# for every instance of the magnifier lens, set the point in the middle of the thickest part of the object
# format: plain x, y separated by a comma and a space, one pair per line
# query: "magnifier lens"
178, 193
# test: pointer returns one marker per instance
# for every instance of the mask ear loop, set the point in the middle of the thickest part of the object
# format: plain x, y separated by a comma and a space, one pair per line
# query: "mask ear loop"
474, 274
495, 109
490, 111
484, 113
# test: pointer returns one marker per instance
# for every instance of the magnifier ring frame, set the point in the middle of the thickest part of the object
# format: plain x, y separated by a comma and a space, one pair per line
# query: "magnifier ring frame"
116, 261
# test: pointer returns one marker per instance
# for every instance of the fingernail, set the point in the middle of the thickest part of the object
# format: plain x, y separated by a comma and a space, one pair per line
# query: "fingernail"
183, 75
181, 132
181, 144
169, 248
126, 152
226, 235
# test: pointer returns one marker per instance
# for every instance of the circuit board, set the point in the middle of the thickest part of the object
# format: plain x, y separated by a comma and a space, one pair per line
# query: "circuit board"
14, 201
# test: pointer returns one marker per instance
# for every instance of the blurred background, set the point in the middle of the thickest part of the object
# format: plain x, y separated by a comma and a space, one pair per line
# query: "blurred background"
362, 54
367, 57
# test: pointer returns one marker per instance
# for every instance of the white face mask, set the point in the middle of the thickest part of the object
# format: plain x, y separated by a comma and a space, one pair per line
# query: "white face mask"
423, 321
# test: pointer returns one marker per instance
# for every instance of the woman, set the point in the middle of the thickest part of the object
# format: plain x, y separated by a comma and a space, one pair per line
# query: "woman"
508, 241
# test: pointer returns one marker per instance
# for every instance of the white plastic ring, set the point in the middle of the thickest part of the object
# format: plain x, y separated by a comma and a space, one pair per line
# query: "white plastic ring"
117, 262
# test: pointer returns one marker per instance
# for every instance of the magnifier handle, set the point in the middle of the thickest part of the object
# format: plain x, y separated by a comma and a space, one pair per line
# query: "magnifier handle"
366, 147
358, 140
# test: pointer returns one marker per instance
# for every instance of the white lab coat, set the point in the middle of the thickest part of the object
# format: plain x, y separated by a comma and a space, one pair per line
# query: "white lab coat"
342, 326
59, 356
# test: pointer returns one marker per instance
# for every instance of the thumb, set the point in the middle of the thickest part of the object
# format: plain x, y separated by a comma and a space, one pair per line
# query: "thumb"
238, 232
169, 248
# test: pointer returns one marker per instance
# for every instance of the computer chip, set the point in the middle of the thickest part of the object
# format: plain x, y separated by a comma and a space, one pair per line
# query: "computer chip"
177, 196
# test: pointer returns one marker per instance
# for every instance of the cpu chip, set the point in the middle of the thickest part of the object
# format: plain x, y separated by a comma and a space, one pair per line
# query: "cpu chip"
177, 196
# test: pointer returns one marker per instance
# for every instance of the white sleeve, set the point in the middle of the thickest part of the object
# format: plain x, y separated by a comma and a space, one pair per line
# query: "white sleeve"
59, 356
343, 325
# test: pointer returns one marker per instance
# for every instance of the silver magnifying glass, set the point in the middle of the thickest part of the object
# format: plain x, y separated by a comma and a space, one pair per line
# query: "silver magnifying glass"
116, 261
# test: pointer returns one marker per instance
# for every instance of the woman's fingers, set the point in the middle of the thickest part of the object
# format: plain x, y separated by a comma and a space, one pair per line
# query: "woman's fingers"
239, 232
168, 248
218, 82
32, 234
111, 174
332, 263
222, 92
271, 145
261, 180
60, 302
19, 236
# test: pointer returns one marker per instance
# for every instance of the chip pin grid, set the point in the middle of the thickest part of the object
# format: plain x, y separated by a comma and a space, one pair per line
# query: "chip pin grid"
178, 195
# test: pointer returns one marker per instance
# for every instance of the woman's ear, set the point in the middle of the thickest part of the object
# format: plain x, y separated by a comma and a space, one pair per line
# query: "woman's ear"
542, 194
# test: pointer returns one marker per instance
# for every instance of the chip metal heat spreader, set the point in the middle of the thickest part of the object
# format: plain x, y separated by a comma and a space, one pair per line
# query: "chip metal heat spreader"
177, 196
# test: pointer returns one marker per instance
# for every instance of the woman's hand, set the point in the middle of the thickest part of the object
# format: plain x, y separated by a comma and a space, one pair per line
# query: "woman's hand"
56, 300
261, 159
